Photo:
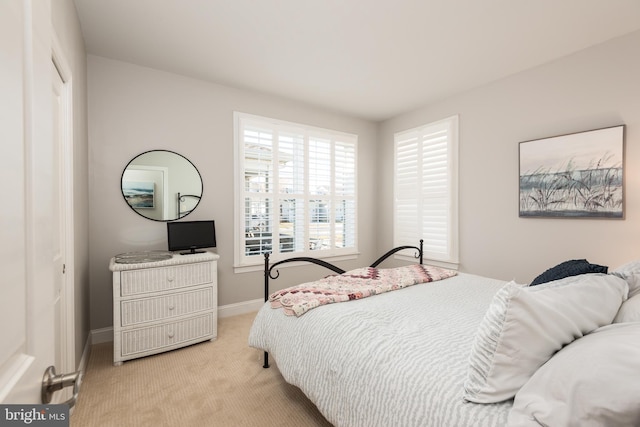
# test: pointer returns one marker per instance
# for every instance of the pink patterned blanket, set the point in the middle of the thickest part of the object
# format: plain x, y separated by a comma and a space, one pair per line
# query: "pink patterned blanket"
353, 284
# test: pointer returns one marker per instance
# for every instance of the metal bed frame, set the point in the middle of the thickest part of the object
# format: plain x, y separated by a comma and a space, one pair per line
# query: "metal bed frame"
182, 199
269, 271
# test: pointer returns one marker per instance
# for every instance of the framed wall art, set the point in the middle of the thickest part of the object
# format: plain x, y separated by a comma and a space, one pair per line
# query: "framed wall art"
579, 175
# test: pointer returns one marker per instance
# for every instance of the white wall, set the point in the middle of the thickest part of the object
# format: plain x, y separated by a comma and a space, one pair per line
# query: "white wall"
134, 109
594, 88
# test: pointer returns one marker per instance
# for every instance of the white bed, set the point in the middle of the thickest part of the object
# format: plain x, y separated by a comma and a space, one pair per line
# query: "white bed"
383, 360
402, 358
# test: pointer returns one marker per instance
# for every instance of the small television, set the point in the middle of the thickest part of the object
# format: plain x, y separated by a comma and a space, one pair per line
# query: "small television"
189, 236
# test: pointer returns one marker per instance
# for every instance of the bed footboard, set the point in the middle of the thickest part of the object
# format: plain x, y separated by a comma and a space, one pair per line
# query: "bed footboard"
398, 249
269, 271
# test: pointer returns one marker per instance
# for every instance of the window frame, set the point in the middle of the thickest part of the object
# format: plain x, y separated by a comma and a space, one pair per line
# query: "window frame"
449, 257
244, 262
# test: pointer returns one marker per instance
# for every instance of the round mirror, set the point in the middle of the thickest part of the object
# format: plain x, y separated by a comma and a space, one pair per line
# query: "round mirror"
161, 185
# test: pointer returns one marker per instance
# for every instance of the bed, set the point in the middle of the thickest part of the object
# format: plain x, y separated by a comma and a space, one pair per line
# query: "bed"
467, 351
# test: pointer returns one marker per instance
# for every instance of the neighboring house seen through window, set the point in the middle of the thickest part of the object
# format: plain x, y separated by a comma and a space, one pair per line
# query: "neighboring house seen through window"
295, 190
426, 189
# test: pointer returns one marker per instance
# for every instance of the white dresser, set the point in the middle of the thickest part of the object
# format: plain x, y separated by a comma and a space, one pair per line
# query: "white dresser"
163, 305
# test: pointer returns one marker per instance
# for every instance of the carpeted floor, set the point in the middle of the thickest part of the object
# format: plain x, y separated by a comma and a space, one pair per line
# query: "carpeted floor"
219, 383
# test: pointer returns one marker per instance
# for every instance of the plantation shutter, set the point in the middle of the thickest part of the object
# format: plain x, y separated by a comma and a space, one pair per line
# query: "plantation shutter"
426, 189
295, 190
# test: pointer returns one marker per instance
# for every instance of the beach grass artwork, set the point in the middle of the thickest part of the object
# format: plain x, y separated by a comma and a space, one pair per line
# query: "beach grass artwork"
139, 194
578, 175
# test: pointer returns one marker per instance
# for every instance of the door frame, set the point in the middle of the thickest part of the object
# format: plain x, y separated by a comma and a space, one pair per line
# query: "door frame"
68, 301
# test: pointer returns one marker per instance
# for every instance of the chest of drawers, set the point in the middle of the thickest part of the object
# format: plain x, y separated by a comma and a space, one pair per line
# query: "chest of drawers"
163, 305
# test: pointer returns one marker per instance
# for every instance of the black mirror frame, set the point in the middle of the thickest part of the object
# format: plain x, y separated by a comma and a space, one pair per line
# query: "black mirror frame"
180, 197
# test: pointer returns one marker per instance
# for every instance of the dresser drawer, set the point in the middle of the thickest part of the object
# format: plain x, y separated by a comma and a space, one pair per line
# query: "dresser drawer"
135, 282
143, 310
170, 334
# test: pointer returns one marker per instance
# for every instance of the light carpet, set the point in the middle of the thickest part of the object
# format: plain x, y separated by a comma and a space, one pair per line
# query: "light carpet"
215, 383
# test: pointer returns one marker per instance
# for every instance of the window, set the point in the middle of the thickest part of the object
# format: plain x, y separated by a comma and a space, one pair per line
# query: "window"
295, 190
426, 189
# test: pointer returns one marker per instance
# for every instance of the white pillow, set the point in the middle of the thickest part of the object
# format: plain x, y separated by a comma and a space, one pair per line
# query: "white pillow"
631, 273
629, 310
525, 326
592, 382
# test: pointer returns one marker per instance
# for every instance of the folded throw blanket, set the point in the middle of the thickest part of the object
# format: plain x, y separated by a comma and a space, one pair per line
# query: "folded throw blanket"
353, 284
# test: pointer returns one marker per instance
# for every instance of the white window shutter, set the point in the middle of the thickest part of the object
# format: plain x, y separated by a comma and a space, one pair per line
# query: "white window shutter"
426, 189
296, 190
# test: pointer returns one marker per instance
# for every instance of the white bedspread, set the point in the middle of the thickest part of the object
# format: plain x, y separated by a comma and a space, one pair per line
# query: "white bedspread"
397, 359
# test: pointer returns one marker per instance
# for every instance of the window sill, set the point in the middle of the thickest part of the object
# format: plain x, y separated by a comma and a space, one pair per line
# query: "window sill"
260, 267
426, 261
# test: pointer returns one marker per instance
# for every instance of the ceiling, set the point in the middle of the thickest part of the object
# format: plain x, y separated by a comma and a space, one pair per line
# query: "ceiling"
372, 59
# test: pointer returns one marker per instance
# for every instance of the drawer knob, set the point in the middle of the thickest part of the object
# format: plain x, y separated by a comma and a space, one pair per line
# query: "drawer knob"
172, 306
170, 334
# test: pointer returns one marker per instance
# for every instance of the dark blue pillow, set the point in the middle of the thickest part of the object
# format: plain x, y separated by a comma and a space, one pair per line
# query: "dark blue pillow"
573, 267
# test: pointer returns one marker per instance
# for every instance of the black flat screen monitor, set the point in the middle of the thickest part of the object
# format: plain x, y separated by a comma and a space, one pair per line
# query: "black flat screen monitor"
191, 236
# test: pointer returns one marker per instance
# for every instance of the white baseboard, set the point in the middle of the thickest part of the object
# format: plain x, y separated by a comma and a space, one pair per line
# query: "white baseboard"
98, 336
240, 308
82, 366
101, 335
84, 359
